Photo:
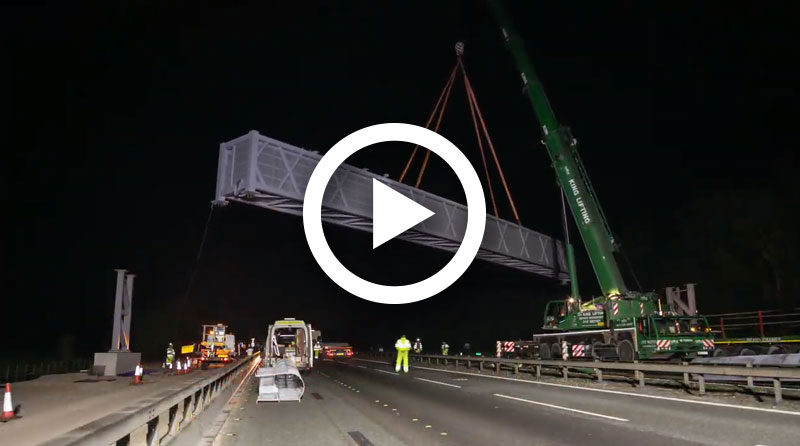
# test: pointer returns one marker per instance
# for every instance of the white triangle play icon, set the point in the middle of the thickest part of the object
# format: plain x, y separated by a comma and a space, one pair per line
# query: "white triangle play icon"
393, 213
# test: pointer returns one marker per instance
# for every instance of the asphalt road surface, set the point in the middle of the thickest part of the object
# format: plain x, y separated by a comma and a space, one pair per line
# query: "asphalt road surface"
363, 402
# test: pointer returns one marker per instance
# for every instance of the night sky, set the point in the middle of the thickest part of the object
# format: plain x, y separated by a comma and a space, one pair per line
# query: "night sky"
686, 117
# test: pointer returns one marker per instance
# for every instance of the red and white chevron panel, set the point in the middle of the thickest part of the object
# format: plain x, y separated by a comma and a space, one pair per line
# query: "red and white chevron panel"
708, 344
578, 351
615, 308
663, 344
499, 349
641, 308
508, 347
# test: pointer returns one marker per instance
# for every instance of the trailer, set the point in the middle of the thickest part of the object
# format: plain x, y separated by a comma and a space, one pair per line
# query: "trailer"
761, 332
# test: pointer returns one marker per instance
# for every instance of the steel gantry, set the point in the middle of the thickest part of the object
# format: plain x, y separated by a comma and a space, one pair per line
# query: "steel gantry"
268, 173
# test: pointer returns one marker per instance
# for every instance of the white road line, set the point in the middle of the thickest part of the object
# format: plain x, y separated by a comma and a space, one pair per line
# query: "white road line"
438, 382
372, 360
362, 366
385, 371
560, 407
618, 392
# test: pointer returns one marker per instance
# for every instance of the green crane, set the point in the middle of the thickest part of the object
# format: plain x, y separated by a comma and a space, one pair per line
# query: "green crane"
621, 323
572, 177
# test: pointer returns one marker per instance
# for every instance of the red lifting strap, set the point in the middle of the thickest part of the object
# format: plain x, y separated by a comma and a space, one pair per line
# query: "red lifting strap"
481, 132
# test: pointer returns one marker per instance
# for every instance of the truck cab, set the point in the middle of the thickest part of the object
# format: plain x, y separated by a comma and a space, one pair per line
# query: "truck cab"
627, 328
668, 336
213, 348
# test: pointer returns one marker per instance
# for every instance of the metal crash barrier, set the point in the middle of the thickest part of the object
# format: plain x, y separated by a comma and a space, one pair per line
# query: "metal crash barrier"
692, 374
160, 422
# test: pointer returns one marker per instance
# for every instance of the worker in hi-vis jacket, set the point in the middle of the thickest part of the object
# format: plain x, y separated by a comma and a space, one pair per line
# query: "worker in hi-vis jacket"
403, 346
170, 356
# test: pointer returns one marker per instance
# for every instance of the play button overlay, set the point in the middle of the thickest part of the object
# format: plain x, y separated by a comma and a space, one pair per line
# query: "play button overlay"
393, 213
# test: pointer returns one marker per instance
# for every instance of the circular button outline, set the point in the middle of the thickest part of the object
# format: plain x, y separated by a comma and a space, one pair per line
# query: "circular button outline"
399, 294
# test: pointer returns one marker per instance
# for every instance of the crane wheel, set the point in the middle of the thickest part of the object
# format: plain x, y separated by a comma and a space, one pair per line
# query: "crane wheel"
597, 348
555, 351
544, 351
625, 351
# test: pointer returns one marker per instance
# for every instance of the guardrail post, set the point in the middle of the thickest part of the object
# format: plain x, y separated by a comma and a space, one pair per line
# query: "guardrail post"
685, 375
749, 365
456, 364
701, 383
564, 372
480, 366
538, 370
138, 437
598, 373
469, 364
776, 384
175, 426
641, 378
496, 368
516, 369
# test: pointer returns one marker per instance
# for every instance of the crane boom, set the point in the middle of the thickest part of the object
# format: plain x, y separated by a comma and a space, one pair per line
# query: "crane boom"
572, 177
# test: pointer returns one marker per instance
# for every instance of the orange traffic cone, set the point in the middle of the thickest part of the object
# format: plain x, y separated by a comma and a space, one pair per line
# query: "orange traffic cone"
180, 372
8, 407
137, 374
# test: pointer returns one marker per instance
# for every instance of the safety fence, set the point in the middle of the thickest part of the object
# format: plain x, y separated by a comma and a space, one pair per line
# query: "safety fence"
26, 370
158, 423
692, 375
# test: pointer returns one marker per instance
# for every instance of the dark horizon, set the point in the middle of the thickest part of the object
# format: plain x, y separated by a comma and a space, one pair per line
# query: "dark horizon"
684, 117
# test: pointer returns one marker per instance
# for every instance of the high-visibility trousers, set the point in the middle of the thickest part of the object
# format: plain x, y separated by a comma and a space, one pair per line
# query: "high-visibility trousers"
402, 356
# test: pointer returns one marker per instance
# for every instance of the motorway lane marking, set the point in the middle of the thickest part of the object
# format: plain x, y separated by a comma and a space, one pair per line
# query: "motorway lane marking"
360, 439
385, 371
438, 382
560, 407
372, 360
619, 392
362, 366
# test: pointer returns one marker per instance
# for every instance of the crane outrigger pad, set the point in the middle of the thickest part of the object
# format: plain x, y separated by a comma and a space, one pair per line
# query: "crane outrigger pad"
280, 382
265, 172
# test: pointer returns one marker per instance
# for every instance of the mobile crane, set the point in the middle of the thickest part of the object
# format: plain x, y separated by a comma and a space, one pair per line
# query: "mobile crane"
622, 323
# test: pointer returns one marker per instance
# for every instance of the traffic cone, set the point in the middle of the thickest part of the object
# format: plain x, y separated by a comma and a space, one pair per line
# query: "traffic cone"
137, 375
179, 368
188, 365
8, 407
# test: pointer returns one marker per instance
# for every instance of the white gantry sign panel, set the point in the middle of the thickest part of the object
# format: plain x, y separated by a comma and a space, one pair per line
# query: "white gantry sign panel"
262, 171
